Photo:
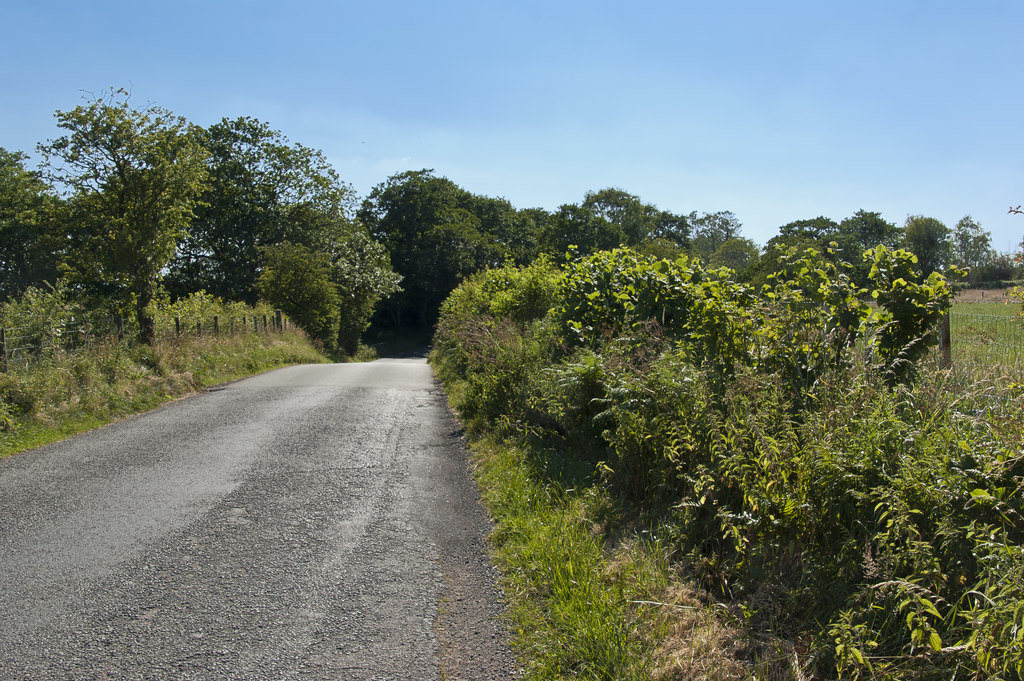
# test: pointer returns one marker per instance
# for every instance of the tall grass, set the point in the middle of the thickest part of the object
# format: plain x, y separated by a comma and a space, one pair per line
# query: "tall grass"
63, 393
987, 335
576, 614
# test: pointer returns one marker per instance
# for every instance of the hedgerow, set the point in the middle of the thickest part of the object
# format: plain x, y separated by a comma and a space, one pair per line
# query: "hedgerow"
785, 444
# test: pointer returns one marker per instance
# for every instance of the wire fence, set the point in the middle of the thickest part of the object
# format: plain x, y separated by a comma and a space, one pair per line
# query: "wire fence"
987, 339
23, 345
976, 339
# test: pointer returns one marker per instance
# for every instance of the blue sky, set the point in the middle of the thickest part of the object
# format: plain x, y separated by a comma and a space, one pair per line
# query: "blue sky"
776, 111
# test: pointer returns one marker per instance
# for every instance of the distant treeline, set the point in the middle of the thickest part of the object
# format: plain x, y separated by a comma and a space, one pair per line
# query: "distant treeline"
131, 204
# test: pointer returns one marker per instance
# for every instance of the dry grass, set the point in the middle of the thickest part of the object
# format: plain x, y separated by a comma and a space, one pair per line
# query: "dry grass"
699, 642
707, 641
979, 295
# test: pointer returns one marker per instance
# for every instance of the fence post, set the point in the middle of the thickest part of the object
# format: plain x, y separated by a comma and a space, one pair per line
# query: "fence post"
199, 328
945, 349
232, 329
264, 323
177, 327
119, 322
277, 321
3, 349
216, 325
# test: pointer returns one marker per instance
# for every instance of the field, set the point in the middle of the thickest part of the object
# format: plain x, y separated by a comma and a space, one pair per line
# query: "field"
986, 330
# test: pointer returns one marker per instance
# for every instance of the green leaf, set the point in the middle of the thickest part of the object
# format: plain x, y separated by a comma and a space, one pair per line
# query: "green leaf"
928, 606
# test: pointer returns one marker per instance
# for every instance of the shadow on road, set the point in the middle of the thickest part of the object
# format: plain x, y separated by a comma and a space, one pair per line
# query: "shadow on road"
406, 353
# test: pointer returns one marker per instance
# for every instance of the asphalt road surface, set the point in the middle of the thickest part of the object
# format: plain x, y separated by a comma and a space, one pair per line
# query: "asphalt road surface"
316, 522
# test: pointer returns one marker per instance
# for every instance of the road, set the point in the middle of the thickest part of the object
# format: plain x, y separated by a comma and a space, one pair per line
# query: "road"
315, 522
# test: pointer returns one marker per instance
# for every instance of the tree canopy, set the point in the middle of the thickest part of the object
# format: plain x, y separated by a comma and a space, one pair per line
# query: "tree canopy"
928, 239
436, 234
144, 200
297, 280
262, 190
130, 200
134, 178
28, 246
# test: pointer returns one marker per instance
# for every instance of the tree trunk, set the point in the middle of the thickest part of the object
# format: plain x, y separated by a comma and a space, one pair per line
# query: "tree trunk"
147, 325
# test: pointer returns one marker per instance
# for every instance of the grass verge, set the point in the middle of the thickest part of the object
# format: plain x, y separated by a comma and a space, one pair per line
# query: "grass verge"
574, 612
70, 393
590, 599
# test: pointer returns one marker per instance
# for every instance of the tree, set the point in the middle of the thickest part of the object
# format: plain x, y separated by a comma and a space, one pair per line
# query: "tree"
738, 254
134, 177
869, 229
711, 230
433, 237
674, 229
637, 221
297, 280
610, 218
262, 190
362, 273
579, 226
862, 231
512, 233
28, 246
971, 246
820, 230
928, 239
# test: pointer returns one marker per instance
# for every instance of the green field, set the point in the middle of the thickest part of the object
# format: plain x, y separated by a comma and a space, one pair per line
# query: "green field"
987, 335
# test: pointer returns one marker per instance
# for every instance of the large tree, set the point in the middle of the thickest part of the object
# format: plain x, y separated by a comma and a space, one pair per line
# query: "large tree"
262, 190
28, 247
638, 221
610, 218
858, 233
579, 226
361, 270
738, 254
297, 280
971, 246
711, 230
436, 234
134, 177
928, 239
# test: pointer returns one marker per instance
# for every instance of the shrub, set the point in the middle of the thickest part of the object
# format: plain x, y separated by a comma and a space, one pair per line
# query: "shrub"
856, 508
297, 281
908, 309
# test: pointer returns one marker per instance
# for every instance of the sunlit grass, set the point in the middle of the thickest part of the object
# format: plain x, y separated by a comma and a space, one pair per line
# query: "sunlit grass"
573, 606
67, 394
986, 336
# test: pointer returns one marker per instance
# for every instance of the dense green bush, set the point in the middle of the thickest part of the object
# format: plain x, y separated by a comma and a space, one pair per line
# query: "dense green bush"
783, 442
297, 280
495, 338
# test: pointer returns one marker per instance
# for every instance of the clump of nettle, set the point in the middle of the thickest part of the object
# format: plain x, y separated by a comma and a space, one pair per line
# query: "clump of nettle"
786, 442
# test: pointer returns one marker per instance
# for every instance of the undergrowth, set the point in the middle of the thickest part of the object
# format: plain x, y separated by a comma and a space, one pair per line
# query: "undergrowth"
692, 479
67, 393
